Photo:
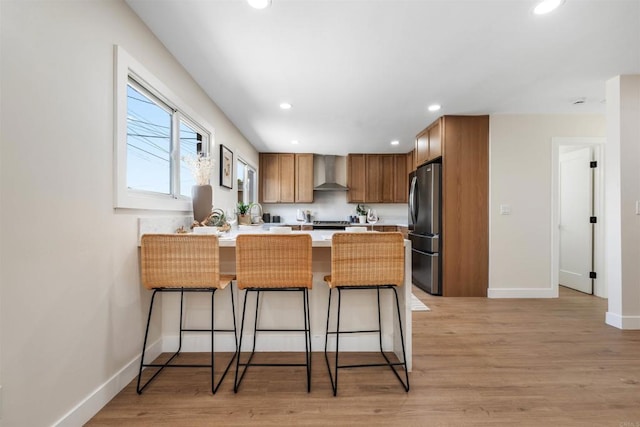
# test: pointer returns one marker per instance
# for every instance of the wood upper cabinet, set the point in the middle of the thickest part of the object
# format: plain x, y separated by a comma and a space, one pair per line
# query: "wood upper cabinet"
411, 161
356, 179
287, 178
269, 178
401, 179
422, 147
304, 178
429, 143
373, 179
279, 178
435, 140
377, 178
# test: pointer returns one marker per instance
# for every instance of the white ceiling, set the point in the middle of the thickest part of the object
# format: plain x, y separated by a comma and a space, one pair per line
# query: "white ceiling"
362, 73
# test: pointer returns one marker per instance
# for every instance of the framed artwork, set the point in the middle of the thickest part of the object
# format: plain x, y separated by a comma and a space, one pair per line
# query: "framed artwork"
226, 167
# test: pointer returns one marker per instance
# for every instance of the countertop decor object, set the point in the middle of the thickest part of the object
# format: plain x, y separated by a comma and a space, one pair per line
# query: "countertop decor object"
201, 168
244, 218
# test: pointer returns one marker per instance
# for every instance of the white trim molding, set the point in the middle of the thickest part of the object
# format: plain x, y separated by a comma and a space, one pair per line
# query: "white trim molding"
522, 293
97, 399
622, 322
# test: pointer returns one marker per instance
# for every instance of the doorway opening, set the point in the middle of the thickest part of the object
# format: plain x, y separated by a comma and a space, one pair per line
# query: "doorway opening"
577, 230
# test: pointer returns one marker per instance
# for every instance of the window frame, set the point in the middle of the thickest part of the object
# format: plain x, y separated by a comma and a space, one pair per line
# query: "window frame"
126, 68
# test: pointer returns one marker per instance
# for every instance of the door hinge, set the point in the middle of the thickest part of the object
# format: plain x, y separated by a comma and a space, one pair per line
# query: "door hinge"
593, 275
593, 164
593, 220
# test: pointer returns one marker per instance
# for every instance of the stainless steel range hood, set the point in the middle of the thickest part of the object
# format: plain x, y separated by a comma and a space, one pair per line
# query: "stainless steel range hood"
330, 183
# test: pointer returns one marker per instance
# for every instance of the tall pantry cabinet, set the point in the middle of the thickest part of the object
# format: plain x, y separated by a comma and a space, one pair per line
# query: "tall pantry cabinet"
463, 143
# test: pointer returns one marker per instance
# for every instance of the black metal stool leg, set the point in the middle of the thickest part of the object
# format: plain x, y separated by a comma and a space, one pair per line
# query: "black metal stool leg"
307, 336
144, 344
335, 389
236, 382
404, 354
213, 383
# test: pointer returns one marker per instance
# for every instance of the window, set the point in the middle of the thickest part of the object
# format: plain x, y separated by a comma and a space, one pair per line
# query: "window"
247, 183
154, 132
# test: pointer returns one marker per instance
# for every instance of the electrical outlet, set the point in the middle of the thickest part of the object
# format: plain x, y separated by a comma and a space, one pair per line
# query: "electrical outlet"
505, 210
637, 207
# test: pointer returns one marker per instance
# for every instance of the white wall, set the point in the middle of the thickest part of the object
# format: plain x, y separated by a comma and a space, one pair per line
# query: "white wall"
520, 176
72, 308
622, 191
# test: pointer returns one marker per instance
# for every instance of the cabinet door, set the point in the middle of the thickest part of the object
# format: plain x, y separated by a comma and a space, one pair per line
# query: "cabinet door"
374, 178
356, 178
269, 178
387, 178
411, 161
304, 178
435, 141
422, 147
401, 178
287, 177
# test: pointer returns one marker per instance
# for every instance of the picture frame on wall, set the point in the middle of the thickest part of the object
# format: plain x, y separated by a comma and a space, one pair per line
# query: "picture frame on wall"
226, 167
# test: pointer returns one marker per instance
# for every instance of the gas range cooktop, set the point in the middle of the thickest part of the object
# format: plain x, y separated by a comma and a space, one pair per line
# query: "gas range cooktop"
330, 225
345, 223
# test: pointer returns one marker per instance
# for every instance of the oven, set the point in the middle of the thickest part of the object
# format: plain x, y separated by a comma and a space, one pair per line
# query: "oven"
330, 225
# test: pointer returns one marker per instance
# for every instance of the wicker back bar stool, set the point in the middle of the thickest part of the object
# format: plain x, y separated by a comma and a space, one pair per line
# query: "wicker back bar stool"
184, 263
359, 262
271, 263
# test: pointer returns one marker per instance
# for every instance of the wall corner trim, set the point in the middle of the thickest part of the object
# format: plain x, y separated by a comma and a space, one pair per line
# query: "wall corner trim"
622, 322
98, 398
522, 293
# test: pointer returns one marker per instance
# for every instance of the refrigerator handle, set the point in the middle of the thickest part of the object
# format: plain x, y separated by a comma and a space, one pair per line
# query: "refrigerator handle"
412, 199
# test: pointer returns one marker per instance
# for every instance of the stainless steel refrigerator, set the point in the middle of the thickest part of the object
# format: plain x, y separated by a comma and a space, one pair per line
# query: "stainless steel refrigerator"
424, 227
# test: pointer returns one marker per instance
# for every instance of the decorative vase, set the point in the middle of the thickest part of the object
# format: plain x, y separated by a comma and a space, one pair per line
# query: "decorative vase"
244, 219
362, 219
202, 198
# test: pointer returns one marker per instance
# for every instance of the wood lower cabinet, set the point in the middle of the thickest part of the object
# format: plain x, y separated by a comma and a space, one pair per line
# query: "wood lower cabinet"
377, 178
286, 178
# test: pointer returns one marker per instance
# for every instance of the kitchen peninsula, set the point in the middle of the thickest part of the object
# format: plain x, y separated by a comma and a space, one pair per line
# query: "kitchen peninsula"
285, 308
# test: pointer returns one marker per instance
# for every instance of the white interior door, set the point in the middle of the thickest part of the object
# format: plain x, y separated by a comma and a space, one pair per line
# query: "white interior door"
576, 203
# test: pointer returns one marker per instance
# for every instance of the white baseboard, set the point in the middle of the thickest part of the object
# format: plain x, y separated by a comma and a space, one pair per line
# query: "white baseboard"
96, 400
522, 293
622, 322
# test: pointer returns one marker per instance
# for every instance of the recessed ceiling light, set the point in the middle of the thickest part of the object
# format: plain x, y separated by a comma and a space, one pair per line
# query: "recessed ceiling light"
396, 142
259, 4
285, 106
547, 6
295, 142
434, 107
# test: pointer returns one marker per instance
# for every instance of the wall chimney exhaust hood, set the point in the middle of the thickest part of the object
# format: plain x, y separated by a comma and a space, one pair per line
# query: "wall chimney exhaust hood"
330, 176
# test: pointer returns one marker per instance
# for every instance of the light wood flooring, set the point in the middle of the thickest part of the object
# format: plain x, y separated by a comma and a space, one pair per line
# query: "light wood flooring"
476, 362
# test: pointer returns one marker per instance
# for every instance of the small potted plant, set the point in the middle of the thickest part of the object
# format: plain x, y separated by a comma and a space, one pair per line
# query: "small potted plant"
243, 213
362, 214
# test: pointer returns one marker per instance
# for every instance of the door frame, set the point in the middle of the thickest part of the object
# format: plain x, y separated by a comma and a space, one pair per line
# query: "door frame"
599, 284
